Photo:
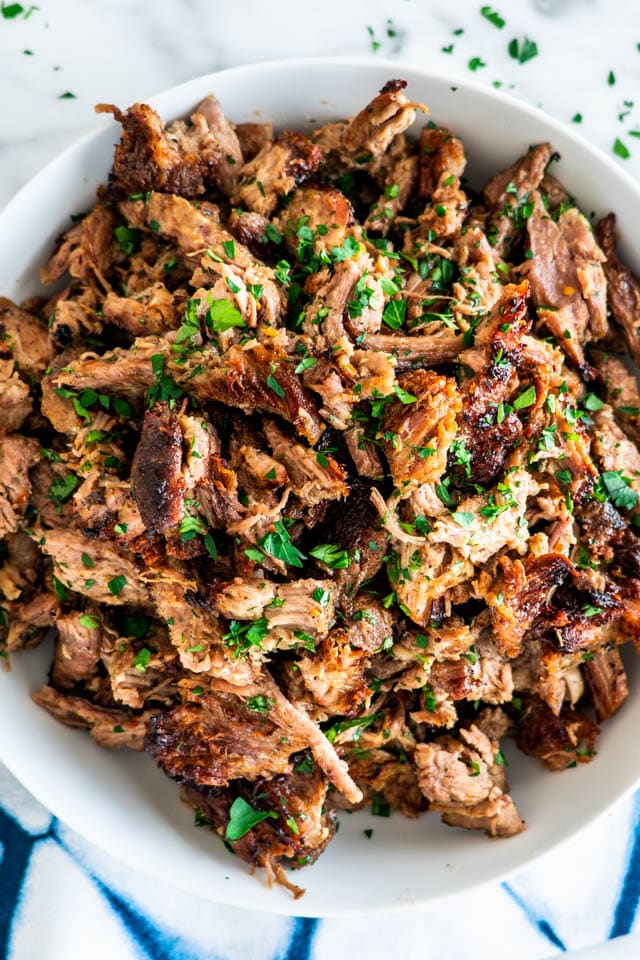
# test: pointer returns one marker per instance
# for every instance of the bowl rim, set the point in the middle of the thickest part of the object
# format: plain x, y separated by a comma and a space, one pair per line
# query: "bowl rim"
393, 67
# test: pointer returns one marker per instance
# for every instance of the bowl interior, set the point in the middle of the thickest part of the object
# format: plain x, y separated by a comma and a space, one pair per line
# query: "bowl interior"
121, 801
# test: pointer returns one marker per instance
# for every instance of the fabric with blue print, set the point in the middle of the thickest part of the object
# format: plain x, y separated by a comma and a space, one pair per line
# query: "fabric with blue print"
60, 897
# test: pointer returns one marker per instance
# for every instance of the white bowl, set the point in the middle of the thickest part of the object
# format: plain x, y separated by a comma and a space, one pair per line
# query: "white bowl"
121, 801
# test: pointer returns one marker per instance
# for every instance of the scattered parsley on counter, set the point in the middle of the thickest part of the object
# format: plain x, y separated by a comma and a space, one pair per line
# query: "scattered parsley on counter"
576, 118
493, 17
476, 63
620, 150
375, 44
523, 50
67, 95
12, 10
611, 79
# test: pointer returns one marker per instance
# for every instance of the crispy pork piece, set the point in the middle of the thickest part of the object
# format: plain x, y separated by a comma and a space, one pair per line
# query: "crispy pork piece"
109, 727
463, 780
417, 434
219, 739
442, 164
17, 455
508, 194
149, 311
355, 528
317, 217
276, 171
556, 287
86, 251
114, 578
15, 399
26, 338
560, 741
77, 647
181, 159
417, 349
518, 592
363, 453
335, 676
623, 288
487, 440
156, 472
397, 173
314, 479
258, 378
372, 130
224, 136
607, 681
296, 827
304, 605
588, 259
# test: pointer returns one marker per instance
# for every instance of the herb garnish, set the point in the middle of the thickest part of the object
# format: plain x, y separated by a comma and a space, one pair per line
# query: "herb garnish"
243, 817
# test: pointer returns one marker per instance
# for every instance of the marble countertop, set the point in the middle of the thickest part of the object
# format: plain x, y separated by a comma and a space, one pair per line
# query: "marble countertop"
60, 59
581, 64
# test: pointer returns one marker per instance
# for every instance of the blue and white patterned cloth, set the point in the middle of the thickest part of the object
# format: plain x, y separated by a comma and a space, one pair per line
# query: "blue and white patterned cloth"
62, 898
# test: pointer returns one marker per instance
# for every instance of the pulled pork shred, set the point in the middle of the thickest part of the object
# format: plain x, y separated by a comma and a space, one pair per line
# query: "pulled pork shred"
323, 473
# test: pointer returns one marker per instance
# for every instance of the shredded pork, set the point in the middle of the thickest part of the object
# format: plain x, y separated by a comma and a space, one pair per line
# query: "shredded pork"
315, 468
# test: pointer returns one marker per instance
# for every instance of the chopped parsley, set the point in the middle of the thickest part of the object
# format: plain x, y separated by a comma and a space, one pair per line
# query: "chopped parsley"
274, 385
130, 240
621, 150
117, 584
62, 488
402, 395
523, 50
463, 519
278, 544
306, 364
360, 723
260, 703
590, 611
526, 399
89, 621
305, 765
60, 589
142, 659
331, 556
243, 636
222, 315
243, 817
429, 699
321, 596
613, 486
394, 313
380, 807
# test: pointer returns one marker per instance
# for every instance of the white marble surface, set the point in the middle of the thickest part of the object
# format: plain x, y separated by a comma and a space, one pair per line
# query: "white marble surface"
120, 51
